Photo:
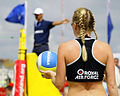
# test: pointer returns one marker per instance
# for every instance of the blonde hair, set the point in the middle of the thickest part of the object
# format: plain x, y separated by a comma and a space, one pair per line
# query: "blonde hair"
85, 22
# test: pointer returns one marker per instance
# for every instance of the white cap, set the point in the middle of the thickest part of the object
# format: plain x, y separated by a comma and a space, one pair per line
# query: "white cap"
38, 11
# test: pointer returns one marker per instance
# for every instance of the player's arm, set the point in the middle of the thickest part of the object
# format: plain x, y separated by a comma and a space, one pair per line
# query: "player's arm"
61, 68
60, 22
58, 78
110, 73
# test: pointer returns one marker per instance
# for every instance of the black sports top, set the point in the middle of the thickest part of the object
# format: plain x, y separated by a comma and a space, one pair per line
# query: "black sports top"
90, 71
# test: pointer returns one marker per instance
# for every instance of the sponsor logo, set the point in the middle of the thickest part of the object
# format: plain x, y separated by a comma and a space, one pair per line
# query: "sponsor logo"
39, 31
48, 58
22, 77
87, 74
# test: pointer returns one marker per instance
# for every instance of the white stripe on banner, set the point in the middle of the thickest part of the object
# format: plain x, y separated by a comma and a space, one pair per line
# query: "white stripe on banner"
108, 7
63, 17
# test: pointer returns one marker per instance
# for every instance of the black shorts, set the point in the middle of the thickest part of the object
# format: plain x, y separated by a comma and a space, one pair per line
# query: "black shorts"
40, 48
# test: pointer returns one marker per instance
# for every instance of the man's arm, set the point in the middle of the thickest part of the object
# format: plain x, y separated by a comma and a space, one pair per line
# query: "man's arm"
60, 22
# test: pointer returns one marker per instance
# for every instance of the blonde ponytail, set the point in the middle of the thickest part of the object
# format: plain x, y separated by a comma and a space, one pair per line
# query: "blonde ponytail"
86, 23
82, 35
84, 53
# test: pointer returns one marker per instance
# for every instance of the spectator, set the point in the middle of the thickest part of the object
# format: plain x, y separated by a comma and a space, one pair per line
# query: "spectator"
116, 61
117, 71
8, 90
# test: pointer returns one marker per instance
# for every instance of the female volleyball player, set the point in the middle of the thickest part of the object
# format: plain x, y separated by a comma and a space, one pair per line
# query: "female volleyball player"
84, 60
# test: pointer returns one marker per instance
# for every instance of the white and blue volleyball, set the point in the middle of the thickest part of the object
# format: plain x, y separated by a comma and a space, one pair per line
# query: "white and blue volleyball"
47, 60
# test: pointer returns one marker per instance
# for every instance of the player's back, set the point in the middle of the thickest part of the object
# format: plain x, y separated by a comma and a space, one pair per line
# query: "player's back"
78, 88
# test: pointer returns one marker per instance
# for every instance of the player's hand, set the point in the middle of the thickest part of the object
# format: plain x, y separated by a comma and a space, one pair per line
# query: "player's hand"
48, 74
65, 21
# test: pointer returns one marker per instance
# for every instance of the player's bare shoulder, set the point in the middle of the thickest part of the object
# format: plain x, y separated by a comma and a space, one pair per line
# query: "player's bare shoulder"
102, 45
67, 45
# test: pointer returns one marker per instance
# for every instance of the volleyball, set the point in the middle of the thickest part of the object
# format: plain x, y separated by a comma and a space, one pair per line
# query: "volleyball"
47, 60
